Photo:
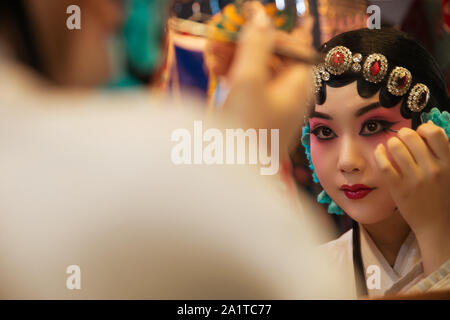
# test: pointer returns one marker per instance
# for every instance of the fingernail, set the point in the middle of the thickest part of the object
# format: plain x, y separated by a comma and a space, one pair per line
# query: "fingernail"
380, 147
377, 155
260, 19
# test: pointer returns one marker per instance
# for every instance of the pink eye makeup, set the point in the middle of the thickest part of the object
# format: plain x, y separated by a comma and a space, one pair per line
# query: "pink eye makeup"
384, 115
369, 121
321, 130
323, 133
315, 122
375, 126
370, 127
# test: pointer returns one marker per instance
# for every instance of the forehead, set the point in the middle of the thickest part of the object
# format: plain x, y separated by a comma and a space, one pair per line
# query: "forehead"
344, 99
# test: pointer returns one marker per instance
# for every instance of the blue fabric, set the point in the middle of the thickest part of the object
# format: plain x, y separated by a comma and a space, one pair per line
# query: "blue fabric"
191, 70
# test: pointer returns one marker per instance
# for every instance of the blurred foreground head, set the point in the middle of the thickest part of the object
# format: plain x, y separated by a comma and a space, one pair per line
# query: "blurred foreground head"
138, 226
87, 180
35, 33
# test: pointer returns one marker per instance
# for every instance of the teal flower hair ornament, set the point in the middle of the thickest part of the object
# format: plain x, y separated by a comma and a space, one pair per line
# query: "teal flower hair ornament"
323, 197
441, 119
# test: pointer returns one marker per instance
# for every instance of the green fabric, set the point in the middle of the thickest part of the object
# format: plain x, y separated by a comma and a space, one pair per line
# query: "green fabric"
139, 41
143, 32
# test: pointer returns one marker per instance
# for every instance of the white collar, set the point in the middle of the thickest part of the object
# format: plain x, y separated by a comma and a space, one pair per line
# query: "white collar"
408, 263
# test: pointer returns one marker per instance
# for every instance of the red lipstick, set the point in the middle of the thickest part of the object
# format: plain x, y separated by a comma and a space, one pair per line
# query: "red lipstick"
356, 191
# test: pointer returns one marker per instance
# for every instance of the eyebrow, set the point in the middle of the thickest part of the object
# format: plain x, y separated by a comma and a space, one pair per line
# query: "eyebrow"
316, 114
358, 113
367, 108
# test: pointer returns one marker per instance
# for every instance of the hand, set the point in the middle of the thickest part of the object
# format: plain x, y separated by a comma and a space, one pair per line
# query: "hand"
420, 186
258, 98
419, 181
219, 55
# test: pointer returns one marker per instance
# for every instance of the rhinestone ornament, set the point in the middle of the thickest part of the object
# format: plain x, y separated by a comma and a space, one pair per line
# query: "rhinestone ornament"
320, 74
356, 67
418, 97
317, 79
375, 68
338, 60
357, 57
399, 81
325, 76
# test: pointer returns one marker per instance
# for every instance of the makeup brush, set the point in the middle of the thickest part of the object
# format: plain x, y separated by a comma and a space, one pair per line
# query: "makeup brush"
392, 130
283, 47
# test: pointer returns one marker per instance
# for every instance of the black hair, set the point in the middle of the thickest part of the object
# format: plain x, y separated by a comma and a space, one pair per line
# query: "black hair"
13, 14
400, 50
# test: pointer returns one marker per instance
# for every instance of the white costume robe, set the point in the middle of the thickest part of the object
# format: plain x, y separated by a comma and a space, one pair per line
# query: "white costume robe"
404, 277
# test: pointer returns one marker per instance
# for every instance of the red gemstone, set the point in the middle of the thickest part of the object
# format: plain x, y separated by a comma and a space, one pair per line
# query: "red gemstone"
401, 82
375, 68
338, 58
423, 98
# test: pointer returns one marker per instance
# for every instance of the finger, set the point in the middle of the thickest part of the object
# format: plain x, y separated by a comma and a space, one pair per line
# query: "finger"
418, 148
304, 33
276, 65
255, 48
436, 139
219, 56
385, 166
402, 157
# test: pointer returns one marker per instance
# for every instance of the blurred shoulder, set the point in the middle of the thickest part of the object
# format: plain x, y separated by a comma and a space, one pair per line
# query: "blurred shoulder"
340, 249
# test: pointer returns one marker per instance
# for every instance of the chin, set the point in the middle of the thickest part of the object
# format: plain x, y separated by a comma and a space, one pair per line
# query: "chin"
367, 215
371, 209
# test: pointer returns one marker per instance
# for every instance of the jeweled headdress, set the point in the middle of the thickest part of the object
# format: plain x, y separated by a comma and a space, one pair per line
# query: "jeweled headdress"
374, 69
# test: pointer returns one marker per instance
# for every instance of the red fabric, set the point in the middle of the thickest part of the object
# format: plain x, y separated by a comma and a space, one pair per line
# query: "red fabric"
446, 14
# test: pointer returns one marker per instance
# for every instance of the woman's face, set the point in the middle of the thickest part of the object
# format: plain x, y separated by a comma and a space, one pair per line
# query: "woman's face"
345, 131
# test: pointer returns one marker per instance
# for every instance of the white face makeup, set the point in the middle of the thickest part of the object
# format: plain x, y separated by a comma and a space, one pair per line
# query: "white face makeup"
345, 131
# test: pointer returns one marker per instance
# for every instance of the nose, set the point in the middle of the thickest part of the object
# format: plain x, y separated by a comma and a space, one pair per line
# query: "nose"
351, 158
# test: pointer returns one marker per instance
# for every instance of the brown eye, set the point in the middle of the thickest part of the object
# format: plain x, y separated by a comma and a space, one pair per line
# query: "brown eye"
326, 131
373, 127
323, 133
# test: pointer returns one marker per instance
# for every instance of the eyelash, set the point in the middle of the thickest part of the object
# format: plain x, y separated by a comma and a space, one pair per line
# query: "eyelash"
385, 126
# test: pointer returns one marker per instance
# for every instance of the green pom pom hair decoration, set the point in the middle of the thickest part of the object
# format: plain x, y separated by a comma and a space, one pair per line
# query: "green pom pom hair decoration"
440, 119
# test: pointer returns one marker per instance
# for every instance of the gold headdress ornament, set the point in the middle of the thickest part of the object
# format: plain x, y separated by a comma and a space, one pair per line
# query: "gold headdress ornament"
340, 59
